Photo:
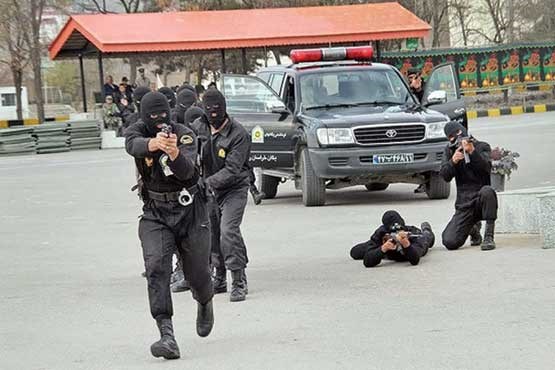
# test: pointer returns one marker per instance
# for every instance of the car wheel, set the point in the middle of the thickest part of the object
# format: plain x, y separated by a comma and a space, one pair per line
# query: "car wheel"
376, 186
314, 188
269, 186
437, 188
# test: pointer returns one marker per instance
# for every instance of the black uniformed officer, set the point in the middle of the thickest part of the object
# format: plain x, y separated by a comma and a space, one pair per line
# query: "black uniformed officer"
186, 98
476, 199
174, 217
409, 243
225, 154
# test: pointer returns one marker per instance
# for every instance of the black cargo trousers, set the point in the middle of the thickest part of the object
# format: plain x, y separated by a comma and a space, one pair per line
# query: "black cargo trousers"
166, 227
226, 215
482, 205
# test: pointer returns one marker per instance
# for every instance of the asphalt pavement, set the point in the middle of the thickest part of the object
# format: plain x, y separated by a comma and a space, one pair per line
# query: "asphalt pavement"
72, 296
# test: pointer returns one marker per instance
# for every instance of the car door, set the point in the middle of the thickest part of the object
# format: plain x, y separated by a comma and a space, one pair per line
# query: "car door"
270, 125
444, 77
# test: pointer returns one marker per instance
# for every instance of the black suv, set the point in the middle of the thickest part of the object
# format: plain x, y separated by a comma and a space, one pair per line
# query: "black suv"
330, 125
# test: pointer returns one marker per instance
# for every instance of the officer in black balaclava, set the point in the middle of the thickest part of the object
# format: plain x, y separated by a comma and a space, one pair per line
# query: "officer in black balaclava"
174, 216
476, 199
226, 172
185, 99
395, 241
138, 94
186, 86
169, 94
192, 114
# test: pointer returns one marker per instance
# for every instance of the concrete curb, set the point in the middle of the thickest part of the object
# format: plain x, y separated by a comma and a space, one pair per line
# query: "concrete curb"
31, 121
495, 112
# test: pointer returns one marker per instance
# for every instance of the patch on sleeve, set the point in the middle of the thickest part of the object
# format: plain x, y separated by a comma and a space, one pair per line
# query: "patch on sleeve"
221, 153
186, 139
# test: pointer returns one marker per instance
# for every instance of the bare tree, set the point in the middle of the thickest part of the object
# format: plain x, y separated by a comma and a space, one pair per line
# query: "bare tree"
14, 54
462, 16
30, 12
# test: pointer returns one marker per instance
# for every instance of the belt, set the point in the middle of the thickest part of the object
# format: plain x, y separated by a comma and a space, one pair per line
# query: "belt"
171, 196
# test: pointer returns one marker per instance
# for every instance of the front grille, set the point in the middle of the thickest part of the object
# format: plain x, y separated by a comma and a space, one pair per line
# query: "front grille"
336, 162
394, 134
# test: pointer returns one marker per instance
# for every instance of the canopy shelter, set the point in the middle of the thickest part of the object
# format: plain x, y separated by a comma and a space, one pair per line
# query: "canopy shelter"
177, 32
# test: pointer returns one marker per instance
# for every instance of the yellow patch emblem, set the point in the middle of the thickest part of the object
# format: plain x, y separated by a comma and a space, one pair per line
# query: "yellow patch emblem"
149, 161
221, 153
186, 140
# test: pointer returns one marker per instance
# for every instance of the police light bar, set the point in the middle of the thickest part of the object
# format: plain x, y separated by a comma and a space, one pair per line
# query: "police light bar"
328, 54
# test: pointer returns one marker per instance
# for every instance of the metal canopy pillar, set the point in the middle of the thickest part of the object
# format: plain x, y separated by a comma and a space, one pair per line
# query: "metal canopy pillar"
83, 90
224, 69
101, 75
244, 60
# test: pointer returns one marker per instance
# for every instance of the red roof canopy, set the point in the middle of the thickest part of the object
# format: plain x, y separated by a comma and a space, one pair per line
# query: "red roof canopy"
230, 29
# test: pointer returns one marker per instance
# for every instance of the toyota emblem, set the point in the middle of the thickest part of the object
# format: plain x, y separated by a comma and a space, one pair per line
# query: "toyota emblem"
391, 133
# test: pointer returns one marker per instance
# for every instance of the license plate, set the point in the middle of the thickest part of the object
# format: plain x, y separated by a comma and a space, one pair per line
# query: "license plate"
393, 158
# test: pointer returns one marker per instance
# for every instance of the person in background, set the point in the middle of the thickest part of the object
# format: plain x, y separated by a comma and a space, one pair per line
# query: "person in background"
111, 114
142, 80
109, 88
415, 83
124, 102
128, 87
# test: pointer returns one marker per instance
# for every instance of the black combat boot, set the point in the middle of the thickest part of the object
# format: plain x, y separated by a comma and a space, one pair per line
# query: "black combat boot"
220, 281
167, 346
426, 227
205, 319
257, 196
238, 286
475, 236
488, 243
180, 286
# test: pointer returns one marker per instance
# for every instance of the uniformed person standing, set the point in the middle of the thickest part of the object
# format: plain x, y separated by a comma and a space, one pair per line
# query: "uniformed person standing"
174, 217
224, 155
476, 199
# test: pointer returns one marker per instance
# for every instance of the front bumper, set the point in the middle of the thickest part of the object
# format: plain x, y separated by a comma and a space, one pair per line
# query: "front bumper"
330, 163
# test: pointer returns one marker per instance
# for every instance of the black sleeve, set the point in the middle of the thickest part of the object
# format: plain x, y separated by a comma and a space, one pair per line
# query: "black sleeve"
480, 159
136, 144
374, 254
234, 162
413, 252
183, 166
447, 170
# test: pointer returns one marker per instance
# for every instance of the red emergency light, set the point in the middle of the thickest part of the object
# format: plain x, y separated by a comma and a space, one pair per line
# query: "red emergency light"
328, 54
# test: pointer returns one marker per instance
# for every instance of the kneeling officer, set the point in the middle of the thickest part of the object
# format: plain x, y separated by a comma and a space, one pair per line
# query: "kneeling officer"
174, 216
395, 241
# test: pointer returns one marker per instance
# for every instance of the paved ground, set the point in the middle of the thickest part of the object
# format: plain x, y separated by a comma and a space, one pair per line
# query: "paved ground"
72, 296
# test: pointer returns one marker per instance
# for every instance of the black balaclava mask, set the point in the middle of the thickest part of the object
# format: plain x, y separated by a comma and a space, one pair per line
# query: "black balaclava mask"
192, 114
154, 103
215, 107
185, 99
186, 87
169, 94
391, 218
138, 94
452, 128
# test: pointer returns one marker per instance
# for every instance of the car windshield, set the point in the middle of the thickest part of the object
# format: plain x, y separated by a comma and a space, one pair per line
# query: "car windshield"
348, 88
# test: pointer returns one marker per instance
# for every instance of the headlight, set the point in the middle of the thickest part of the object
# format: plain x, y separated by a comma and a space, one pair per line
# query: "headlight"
435, 130
333, 136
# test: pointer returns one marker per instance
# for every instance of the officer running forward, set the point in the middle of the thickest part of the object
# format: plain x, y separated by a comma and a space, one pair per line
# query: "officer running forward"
226, 172
469, 162
395, 241
174, 216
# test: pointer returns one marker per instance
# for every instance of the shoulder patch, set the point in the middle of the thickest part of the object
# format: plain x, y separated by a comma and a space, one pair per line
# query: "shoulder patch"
221, 153
186, 139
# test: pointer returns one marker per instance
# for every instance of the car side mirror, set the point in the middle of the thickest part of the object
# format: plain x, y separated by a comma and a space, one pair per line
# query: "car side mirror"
436, 97
282, 111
